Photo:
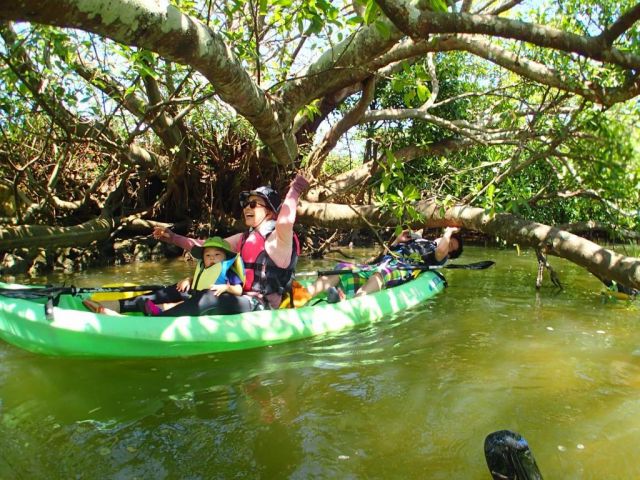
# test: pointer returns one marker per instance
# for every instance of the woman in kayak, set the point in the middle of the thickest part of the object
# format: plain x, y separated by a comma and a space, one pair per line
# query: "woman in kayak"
269, 248
382, 271
219, 271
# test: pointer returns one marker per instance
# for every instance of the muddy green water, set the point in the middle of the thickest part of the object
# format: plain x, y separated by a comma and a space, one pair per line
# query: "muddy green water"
410, 397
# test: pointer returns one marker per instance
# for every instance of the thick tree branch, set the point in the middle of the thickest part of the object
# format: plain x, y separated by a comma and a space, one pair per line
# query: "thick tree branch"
420, 23
512, 228
48, 236
345, 64
620, 26
541, 73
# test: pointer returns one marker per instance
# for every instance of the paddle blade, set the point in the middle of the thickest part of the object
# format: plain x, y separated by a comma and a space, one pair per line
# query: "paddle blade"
509, 457
23, 294
26, 292
471, 266
116, 295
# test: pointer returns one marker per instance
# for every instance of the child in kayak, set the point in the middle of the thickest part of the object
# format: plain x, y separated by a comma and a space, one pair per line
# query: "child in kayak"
219, 271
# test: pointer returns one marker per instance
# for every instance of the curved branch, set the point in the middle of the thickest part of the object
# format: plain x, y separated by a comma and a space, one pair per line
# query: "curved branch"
304, 127
356, 176
349, 120
590, 227
505, 7
620, 26
460, 127
420, 23
541, 73
585, 193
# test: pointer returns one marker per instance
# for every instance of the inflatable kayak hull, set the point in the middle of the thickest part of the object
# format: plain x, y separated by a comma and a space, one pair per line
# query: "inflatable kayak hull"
72, 330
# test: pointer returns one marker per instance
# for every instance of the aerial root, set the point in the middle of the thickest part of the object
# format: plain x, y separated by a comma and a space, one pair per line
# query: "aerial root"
544, 263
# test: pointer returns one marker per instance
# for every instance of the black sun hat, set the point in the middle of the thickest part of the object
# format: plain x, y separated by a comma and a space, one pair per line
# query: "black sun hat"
265, 192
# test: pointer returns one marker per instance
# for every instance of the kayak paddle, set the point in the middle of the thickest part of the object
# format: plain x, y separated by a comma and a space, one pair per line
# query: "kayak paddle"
50, 291
461, 266
509, 457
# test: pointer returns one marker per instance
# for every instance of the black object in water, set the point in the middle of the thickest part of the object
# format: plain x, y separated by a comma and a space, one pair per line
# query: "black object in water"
509, 457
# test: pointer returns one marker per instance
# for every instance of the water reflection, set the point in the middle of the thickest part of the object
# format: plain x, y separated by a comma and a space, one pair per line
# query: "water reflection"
410, 397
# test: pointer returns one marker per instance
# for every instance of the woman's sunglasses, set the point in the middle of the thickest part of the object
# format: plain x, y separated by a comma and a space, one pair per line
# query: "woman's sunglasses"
251, 204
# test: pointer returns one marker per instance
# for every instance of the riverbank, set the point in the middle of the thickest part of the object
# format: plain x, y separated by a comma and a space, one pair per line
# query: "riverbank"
40, 261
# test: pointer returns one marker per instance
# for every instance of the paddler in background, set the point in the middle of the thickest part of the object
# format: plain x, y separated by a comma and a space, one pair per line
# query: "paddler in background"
408, 248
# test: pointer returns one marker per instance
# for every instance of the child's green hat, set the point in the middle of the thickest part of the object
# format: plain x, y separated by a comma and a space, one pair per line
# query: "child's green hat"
213, 242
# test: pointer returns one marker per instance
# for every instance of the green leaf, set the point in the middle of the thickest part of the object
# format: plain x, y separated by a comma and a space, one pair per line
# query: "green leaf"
146, 71
491, 191
438, 5
421, 73
130, 90
423, 91
371, 12
411, 192
311, 110
391, 158
316, 25
397, 85
408, 97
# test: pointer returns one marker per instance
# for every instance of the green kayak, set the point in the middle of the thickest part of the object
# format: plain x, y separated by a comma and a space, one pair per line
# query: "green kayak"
72, 330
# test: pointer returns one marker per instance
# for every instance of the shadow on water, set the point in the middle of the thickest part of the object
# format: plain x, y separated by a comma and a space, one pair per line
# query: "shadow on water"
410, 397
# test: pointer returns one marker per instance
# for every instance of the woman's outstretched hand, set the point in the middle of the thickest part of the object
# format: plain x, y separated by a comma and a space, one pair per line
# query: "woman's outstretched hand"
161, 233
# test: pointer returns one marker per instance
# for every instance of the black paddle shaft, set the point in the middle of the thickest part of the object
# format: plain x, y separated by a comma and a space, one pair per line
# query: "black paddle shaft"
460, 266
51, 291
